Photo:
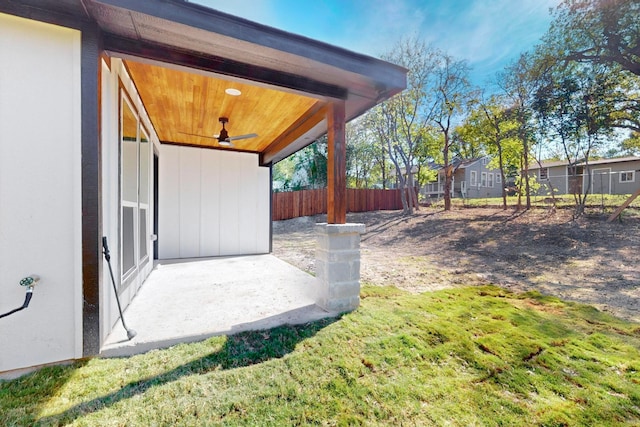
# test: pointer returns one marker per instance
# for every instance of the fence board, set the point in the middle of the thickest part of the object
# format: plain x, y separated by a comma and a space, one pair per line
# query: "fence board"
293, 204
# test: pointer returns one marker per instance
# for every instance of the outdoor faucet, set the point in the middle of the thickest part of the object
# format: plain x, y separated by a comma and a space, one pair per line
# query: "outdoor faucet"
29, 282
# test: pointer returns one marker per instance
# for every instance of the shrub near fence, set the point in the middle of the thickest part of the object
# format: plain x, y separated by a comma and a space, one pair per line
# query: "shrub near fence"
293, 204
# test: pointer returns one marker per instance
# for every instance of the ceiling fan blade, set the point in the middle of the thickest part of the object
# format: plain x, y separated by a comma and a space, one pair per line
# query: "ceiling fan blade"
249, 135
198, 135
225, 143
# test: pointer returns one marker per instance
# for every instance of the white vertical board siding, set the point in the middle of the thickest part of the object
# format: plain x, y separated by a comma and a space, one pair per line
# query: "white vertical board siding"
209, 196
190, 209
229, 216
169, 201
40, 192
248, 204
229, 203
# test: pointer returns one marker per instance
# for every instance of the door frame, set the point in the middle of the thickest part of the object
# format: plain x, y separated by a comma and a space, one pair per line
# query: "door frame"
593, 176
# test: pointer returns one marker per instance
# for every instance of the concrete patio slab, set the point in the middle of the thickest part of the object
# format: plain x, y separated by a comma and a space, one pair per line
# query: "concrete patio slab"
192, 299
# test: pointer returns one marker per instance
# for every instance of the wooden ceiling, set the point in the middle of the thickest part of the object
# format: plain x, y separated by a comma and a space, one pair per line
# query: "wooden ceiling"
184, 108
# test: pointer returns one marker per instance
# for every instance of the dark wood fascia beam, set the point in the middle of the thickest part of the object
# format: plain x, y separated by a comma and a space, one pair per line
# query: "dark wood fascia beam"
91, 191
305, 123
46, 11
207, 19
222, 66
336, 164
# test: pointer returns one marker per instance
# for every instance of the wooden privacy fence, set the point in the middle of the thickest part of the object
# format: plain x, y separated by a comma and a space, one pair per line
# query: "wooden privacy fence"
292, 204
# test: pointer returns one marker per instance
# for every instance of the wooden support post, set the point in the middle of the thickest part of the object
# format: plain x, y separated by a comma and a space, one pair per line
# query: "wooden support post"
336, 164
617, 212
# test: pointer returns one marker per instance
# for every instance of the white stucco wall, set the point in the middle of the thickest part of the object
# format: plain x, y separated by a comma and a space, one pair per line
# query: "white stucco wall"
212, 203
40, 192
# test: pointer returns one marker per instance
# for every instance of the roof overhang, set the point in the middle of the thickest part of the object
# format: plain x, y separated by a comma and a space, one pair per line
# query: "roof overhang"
186, 47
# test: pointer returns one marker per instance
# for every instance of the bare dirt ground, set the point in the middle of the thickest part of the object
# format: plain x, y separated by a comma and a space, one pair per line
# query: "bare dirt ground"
587, 260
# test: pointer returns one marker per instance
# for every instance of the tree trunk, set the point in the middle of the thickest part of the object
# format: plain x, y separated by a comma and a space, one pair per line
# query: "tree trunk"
520, 186
501, 165
525, 154
384, 173
403, 197
411, 187
401, 184
447, 174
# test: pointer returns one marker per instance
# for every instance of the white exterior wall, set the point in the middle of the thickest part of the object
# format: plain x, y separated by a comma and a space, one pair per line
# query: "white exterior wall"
212, 203
40, 192
115, 77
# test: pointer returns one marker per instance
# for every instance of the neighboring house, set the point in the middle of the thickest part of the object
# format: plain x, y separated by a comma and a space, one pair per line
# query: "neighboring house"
108, 111
602, 176
403, 171
472, 178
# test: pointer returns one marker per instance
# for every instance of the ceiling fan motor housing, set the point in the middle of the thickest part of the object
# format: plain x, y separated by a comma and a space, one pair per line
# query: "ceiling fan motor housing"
223, 133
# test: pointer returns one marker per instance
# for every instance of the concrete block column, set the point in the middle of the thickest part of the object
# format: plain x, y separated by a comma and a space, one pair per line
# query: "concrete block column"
338, 266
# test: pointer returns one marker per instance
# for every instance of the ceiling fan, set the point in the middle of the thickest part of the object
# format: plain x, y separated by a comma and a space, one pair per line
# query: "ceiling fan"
224, 140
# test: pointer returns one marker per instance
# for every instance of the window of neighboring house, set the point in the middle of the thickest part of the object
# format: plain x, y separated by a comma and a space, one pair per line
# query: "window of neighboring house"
474, 178
483, 179
544, 173
490, 179
627, 176
485, 161
498, 178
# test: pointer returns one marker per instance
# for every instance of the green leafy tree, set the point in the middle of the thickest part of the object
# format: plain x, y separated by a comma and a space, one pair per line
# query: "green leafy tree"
597, 31
574, 106
465, 142
310, 166
398, 124
452, 93
361, 171
519, 85
603, 35
428, 154
631, 145
283, 174
491, 128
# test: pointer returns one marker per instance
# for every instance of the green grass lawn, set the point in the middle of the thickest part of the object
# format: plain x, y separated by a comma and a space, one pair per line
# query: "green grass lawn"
469, 356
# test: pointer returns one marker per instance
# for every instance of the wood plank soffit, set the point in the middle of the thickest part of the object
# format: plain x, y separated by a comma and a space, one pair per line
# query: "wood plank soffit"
306, 122
222, 66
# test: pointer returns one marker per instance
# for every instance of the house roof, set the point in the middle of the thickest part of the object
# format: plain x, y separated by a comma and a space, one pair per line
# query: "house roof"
614, 160
459, 163
548, 164
182, 57
555, 163
464, 163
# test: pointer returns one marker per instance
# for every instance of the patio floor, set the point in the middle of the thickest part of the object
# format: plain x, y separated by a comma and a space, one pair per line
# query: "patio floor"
192, 299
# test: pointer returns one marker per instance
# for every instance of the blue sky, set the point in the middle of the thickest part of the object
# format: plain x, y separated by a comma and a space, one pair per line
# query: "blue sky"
486, 33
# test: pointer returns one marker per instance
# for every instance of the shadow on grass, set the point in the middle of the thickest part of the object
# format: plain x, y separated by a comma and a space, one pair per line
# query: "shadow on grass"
35, 388
240, 350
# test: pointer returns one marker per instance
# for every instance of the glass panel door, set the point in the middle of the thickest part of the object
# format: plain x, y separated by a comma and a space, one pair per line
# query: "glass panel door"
129, 187
135, 151
143, 194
